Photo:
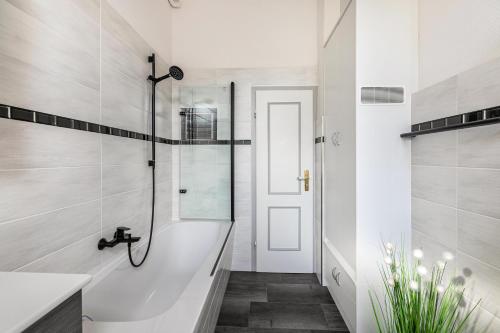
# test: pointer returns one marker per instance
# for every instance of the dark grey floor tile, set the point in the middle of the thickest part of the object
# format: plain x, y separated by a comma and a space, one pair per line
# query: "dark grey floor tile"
222, 329
298, 293
284, 315
254, 277
299, 278
230, 329
262, 277
251, 292
234, 312
278, 303
334, 318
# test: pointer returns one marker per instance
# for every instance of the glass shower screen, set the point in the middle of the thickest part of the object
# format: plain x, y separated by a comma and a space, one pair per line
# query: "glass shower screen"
205, 153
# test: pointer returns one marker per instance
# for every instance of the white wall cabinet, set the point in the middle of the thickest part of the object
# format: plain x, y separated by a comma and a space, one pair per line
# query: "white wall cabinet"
366, 180
340, 165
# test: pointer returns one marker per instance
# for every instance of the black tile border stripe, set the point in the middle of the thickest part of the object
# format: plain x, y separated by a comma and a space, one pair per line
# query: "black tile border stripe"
22, 114
469, 119
4, 111
319, 139
210, 142
15, 113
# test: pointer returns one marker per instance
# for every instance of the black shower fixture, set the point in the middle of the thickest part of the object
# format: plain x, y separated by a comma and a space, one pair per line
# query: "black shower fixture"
174, 72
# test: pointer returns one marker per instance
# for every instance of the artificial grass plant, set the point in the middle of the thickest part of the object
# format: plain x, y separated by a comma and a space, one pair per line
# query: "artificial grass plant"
416, 299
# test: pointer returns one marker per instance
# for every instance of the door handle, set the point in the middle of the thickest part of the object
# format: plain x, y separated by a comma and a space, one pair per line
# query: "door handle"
305, 179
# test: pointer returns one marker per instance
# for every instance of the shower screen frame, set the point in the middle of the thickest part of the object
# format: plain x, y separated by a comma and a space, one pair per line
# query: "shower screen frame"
206, 186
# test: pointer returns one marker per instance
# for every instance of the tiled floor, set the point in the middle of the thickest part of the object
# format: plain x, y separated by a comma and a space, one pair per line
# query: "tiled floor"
279, 303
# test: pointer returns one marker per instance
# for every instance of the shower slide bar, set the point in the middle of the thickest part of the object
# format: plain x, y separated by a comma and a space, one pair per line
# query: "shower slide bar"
470, 119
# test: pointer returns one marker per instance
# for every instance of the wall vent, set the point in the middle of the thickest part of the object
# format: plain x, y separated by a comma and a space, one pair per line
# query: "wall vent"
382, 95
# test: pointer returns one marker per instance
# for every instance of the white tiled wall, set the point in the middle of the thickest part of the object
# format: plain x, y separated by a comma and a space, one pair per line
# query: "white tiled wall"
62, 189
244, 79
456, 185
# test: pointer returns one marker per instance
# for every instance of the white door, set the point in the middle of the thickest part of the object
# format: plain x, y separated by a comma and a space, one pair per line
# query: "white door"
284, 169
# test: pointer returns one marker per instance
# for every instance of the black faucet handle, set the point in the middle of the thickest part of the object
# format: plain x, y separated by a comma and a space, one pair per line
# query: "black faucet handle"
120, 232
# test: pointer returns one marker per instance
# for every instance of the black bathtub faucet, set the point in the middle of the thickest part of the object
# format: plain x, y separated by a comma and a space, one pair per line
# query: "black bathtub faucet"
119, 237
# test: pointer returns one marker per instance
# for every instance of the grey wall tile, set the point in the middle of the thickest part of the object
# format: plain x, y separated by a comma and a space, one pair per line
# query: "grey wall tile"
59, 72
124, 178
437, 101
175, 182
471, 231
122, 46
243, 187
243, 130
125, 91
79, 257
243, 161
163, 125
433, 251
479, 237
163, 210
51, 177
243, 197
242, 247
131, 209
436, 149
124, 101
437, 221
483, 321
478, 147
482, 282
436, 184
163, 153
23, 241
163, 172
117, 150
33, 191
479, 191
479, 87
39, 146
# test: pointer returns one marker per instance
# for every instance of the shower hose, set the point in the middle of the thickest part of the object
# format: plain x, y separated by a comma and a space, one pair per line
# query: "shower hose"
150, 229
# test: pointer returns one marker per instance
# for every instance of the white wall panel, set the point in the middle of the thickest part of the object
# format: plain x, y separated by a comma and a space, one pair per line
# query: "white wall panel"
456, 35
245, 33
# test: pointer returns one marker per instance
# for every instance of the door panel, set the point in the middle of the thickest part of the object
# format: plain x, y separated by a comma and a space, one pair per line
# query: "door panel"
284, 144
283, 134
284, 228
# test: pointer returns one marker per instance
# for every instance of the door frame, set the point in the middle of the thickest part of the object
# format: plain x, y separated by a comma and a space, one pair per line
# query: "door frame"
255, 89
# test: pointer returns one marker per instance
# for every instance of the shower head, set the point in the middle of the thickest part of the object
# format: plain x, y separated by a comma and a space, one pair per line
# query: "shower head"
176, 72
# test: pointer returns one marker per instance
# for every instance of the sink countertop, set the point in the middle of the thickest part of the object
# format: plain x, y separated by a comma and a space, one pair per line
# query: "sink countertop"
27, 297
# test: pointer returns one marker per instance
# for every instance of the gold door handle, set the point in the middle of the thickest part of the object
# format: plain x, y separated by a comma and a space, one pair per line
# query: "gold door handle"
305, 179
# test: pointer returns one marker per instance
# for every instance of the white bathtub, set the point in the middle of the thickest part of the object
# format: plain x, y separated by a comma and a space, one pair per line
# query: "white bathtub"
172, 292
